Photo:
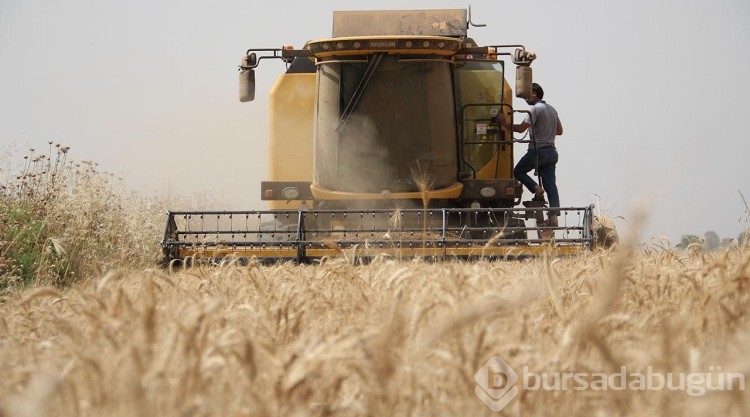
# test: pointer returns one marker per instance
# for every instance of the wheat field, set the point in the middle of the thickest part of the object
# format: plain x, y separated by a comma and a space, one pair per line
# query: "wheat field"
390, 338
90, 326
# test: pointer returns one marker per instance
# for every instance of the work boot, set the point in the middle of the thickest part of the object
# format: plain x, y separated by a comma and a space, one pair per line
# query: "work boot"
552, 222
538, 193
546, 234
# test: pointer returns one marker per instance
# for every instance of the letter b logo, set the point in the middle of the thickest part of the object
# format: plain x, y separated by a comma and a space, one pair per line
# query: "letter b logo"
496, 383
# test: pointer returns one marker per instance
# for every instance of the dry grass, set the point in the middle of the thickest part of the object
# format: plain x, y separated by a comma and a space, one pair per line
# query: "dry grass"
393, 338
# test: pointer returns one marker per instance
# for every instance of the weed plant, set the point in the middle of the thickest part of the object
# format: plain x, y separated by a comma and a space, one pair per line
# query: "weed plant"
61, 220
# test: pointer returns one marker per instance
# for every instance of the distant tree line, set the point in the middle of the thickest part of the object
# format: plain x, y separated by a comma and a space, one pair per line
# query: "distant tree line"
712, 241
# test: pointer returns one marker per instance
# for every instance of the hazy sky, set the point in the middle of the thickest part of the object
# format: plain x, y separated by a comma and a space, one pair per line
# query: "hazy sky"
652, 94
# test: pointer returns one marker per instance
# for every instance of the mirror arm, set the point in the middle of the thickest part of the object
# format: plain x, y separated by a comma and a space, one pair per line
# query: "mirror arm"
287, 54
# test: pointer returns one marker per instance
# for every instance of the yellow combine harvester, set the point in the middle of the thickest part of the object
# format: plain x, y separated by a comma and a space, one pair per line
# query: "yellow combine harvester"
383, 142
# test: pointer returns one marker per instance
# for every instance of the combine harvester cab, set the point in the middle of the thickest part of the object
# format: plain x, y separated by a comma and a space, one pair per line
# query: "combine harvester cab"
384, 142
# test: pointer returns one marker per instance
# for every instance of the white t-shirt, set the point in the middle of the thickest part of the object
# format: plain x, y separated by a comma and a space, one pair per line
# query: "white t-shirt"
544, 128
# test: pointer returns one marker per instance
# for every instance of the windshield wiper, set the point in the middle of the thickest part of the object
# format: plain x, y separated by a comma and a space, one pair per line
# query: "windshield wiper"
352, 104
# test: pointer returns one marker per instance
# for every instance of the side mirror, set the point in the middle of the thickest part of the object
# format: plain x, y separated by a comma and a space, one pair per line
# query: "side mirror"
523, 81
247, 85
247, 77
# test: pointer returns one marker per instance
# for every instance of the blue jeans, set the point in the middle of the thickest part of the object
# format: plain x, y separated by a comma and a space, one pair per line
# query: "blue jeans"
547, 163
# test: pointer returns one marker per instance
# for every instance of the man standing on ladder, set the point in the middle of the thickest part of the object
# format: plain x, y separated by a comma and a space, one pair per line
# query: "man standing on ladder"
542, 154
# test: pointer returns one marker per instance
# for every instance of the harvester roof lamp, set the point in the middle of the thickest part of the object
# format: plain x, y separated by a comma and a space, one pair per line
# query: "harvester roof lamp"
523, 57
